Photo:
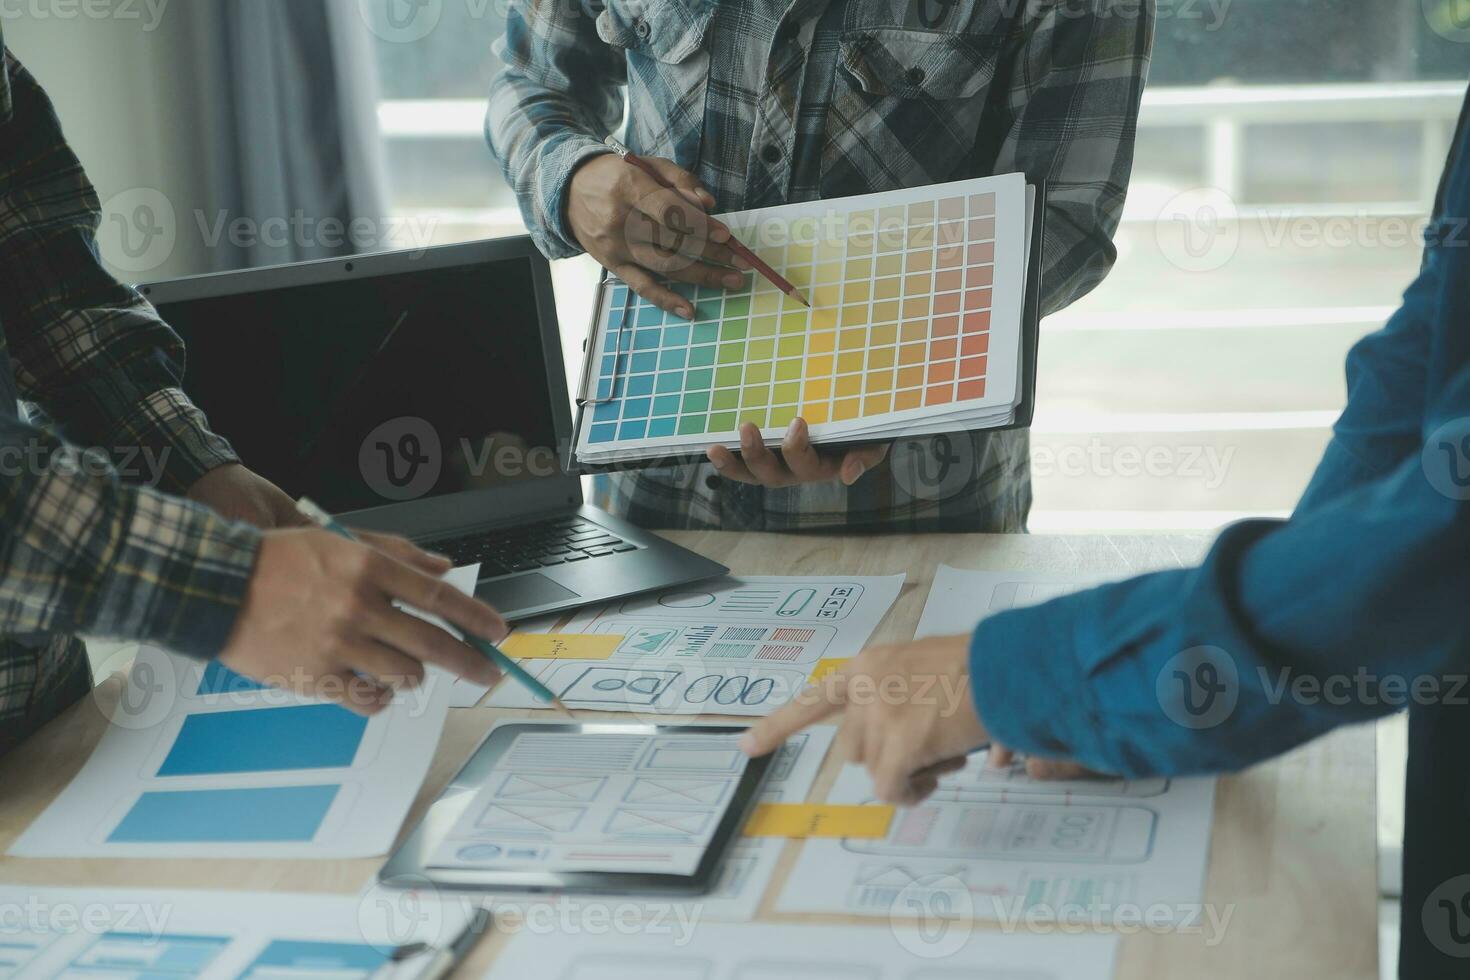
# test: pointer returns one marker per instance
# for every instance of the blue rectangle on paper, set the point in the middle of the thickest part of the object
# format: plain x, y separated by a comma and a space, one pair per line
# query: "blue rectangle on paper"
669, 382
666, 405
219, 679
272, 814
647, 340
150, 955
303, 959
672, 360
605, 412
632, 430
637, 408
603, 433
676, 336
661, 427
650, 316
308, 736
645, 363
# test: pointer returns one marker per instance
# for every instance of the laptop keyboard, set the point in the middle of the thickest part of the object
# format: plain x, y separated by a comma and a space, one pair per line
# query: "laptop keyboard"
545, 544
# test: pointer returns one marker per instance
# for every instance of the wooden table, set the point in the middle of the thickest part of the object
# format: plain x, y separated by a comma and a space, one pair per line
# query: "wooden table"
1292, 860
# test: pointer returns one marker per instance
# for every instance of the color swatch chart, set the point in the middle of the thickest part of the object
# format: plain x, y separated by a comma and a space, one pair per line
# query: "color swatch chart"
916, 296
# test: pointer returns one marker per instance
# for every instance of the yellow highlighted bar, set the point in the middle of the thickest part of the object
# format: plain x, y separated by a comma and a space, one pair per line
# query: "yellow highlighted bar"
800, 820
825, 667
560, 646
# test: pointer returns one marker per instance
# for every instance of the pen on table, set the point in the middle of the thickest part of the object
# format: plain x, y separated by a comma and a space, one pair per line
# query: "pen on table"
441, 961
327, 522
736, 246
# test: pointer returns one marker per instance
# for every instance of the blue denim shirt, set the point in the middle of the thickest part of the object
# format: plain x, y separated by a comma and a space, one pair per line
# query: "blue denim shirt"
1358, 601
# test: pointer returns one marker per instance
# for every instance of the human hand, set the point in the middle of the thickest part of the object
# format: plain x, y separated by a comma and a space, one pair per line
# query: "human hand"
799, 461
319, 619
908, 715
639, 230
240, 494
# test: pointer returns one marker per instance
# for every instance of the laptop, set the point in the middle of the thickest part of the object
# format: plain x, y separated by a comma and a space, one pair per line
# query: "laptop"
421, 393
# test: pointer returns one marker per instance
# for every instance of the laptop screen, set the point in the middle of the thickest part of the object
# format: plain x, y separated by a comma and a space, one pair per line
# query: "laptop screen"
380, 390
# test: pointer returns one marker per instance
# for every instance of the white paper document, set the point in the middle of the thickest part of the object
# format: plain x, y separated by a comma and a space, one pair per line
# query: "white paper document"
201, 762
735, 646
604, 801
959, 599
787, 952
125, 934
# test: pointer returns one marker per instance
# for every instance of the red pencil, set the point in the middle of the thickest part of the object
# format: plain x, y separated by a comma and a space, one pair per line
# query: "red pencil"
756, 262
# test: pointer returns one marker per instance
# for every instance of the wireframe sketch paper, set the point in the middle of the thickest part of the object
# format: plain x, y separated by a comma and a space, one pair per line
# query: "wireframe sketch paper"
201, 762
784, 952
126, 934
734, 646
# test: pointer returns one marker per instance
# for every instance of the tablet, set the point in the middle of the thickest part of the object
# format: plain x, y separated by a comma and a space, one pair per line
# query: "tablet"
587, 808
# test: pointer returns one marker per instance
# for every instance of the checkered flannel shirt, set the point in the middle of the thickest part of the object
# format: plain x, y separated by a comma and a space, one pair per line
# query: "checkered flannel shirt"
776, 101
84, 549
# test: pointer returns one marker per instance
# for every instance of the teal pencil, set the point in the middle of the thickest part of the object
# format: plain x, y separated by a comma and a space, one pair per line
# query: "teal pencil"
540, 691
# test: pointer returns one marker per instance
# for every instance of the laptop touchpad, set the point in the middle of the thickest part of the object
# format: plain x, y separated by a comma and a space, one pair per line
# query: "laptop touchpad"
523, 592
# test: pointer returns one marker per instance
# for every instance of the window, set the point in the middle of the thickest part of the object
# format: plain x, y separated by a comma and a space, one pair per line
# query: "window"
1288, 151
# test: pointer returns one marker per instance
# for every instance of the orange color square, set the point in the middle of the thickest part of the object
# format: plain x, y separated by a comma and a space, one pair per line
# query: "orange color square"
854, 316
946, 303
845, 410
850, 362
914, 333
986, 251
975, 344
908, 399
818, 390
919, 284
886, 288
920, 261
911, 377
849, 385
911, 354
982, 204
982, 229
950, 258
950, 233
853, 339
883, 335
972, 367
946, 326
943, 350
977, 322
941, 395
980, 275
880, 381
877, 404
883, 312
969, 390
815, 413
948, 280
976, 299
941, 372
916, 308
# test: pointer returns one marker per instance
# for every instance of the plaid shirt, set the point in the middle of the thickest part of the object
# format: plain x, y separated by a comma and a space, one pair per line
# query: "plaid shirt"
775, 101
83, 550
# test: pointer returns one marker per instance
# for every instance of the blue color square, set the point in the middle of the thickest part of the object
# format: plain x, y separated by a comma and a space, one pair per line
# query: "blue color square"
647, 339
670, 381
619, 295
219, 679
636, 408
645, 363
606, 412
274, 813
676, 336
632, 430
302, 958
671, 360
609, 365
638, 384
604, 389
309, 736
708, 309
649, 316
666, 405
684, 289
613, 337
661, 427
602, 433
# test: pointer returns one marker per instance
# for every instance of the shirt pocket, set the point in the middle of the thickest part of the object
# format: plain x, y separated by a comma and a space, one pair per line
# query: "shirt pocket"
663, 42
906, 107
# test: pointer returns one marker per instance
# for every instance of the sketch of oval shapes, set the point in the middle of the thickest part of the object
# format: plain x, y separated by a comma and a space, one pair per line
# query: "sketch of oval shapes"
732, 689
611, 684
479, 852
796, 603
645, 685
686, 600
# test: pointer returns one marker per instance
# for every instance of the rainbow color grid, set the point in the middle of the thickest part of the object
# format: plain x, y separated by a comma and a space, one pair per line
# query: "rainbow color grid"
916, 308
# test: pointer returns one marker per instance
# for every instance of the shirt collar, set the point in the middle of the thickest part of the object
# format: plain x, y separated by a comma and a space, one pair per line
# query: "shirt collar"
5, 105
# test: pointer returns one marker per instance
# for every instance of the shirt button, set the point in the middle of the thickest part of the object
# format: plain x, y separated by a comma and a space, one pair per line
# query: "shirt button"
771, 154
916, 76
712, 482
641, 28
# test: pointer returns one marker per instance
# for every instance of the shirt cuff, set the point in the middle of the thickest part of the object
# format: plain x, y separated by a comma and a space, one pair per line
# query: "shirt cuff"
175, 444
559, 162
178, 576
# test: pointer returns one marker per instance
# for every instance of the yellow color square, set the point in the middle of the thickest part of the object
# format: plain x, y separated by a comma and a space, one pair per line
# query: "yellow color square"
855, 339
799, 255
860, 244
828, 272
908, 399
921, 237
880, 380
886, 288
763, 326
767, 302
790, 304
918, 284
888, 265
883, 335
885, 311
845, 410
822, 343
791, 347
856, 292
824, 296
914, 333
849, 362
881, 357
911, 354
758, 374
760, 350
916, 308
800, 276
814, 413
859, 222
855, 316
824, 319
789, 370
773, 256
831, 249
859, 269
877, 404
921, 212
849, 385
819, 366
911, 377
817, 390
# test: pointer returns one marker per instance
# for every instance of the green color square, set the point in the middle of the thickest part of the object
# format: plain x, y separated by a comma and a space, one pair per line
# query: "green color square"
791, 347
758, 374
782, 417
755, 416
761, 350
791, 324
696, 401
666, 405
785, 371
705, 333
788, 394
699, 380
707, 310
734, 329
763, 326
723, 422
702, 356
737, 307
729, 377
733, 353
710, 292
692, 425
755, 397
726, 399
